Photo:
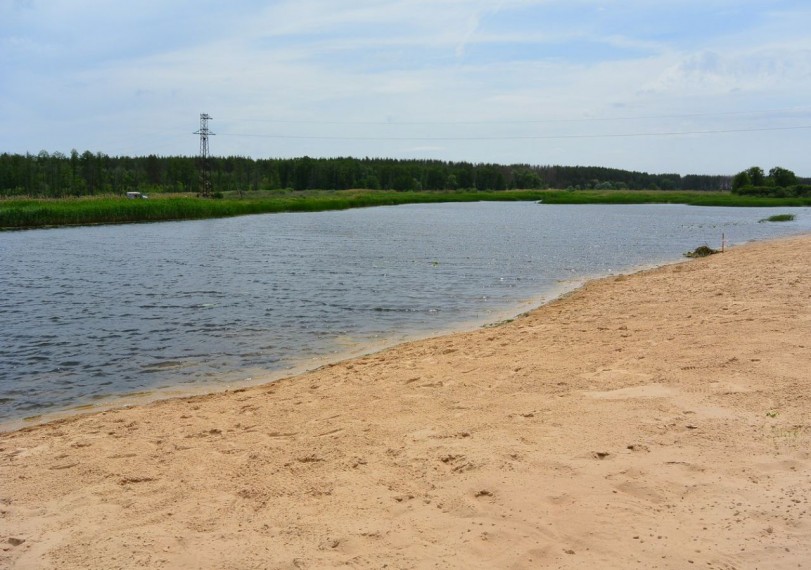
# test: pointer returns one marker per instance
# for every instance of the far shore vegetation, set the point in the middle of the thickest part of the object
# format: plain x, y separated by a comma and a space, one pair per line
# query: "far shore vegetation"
47, 190
779, 183
21, 213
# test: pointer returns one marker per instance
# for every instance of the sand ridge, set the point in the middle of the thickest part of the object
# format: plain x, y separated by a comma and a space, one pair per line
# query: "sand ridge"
657, 420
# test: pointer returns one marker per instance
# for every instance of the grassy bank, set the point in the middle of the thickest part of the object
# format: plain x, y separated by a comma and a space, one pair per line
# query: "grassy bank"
663, 197
20, 214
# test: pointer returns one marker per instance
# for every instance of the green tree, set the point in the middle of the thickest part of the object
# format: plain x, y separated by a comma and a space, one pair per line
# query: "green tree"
756, 176
741, 180
782, 177
525, 178
153, 170
303, 173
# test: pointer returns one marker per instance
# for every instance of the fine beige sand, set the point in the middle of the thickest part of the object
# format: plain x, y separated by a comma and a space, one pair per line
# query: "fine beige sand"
657, 420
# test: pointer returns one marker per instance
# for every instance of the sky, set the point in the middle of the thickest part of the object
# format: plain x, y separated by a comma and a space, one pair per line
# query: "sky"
662, 86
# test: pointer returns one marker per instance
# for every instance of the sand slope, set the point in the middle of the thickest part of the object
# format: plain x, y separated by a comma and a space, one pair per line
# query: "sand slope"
659, 420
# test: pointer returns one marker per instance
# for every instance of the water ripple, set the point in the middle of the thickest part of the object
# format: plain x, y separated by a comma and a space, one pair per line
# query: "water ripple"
92, 312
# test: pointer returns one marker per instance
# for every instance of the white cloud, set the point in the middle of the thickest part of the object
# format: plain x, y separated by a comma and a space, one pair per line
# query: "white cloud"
89, 74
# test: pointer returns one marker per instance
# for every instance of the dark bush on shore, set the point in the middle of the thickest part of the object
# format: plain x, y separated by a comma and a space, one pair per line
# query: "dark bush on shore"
702, 251
796, 191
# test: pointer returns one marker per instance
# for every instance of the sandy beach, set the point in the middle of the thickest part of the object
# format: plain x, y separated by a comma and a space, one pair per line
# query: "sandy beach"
656, 420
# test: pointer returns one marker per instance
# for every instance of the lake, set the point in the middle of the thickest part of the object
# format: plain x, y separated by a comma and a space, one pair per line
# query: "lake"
93, 313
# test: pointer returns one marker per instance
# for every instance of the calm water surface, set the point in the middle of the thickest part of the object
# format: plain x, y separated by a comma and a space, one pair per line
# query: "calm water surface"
95, 312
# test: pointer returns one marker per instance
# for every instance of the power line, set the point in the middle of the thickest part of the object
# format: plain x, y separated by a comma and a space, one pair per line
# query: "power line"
519, 137
765, 112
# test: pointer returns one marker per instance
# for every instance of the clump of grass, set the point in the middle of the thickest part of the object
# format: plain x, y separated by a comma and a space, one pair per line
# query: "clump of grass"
779, 218
702, 251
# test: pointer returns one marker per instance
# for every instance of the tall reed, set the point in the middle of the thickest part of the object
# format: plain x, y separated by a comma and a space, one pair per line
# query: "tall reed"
31, 213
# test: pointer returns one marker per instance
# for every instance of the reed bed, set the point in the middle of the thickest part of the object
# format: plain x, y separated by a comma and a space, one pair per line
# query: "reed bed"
37, 213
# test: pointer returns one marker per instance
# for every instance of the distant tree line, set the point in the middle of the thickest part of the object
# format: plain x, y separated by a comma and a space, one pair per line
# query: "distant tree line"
779, 183
79, 174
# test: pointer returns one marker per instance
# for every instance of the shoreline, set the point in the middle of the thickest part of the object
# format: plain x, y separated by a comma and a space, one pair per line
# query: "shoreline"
147, 396
157, 364
654, 419
312, 364
48, 213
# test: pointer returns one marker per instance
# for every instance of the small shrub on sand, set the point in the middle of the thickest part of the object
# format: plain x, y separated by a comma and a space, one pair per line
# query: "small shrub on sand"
702, 251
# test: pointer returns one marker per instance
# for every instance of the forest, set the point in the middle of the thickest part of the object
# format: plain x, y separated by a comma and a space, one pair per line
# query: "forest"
57, 175
779, 183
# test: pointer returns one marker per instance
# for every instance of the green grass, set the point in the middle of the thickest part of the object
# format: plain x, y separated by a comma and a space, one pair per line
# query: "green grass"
35, 213
17, 214
666, 197
779, 218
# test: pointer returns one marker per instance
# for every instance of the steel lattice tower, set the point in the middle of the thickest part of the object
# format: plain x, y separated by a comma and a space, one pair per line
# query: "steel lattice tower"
205, 165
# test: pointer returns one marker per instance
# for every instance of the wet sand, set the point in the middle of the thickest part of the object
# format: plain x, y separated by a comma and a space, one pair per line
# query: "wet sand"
657, 420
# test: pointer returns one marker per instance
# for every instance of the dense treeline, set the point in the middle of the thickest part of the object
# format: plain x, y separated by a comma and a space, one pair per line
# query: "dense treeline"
82, 174
779, 183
